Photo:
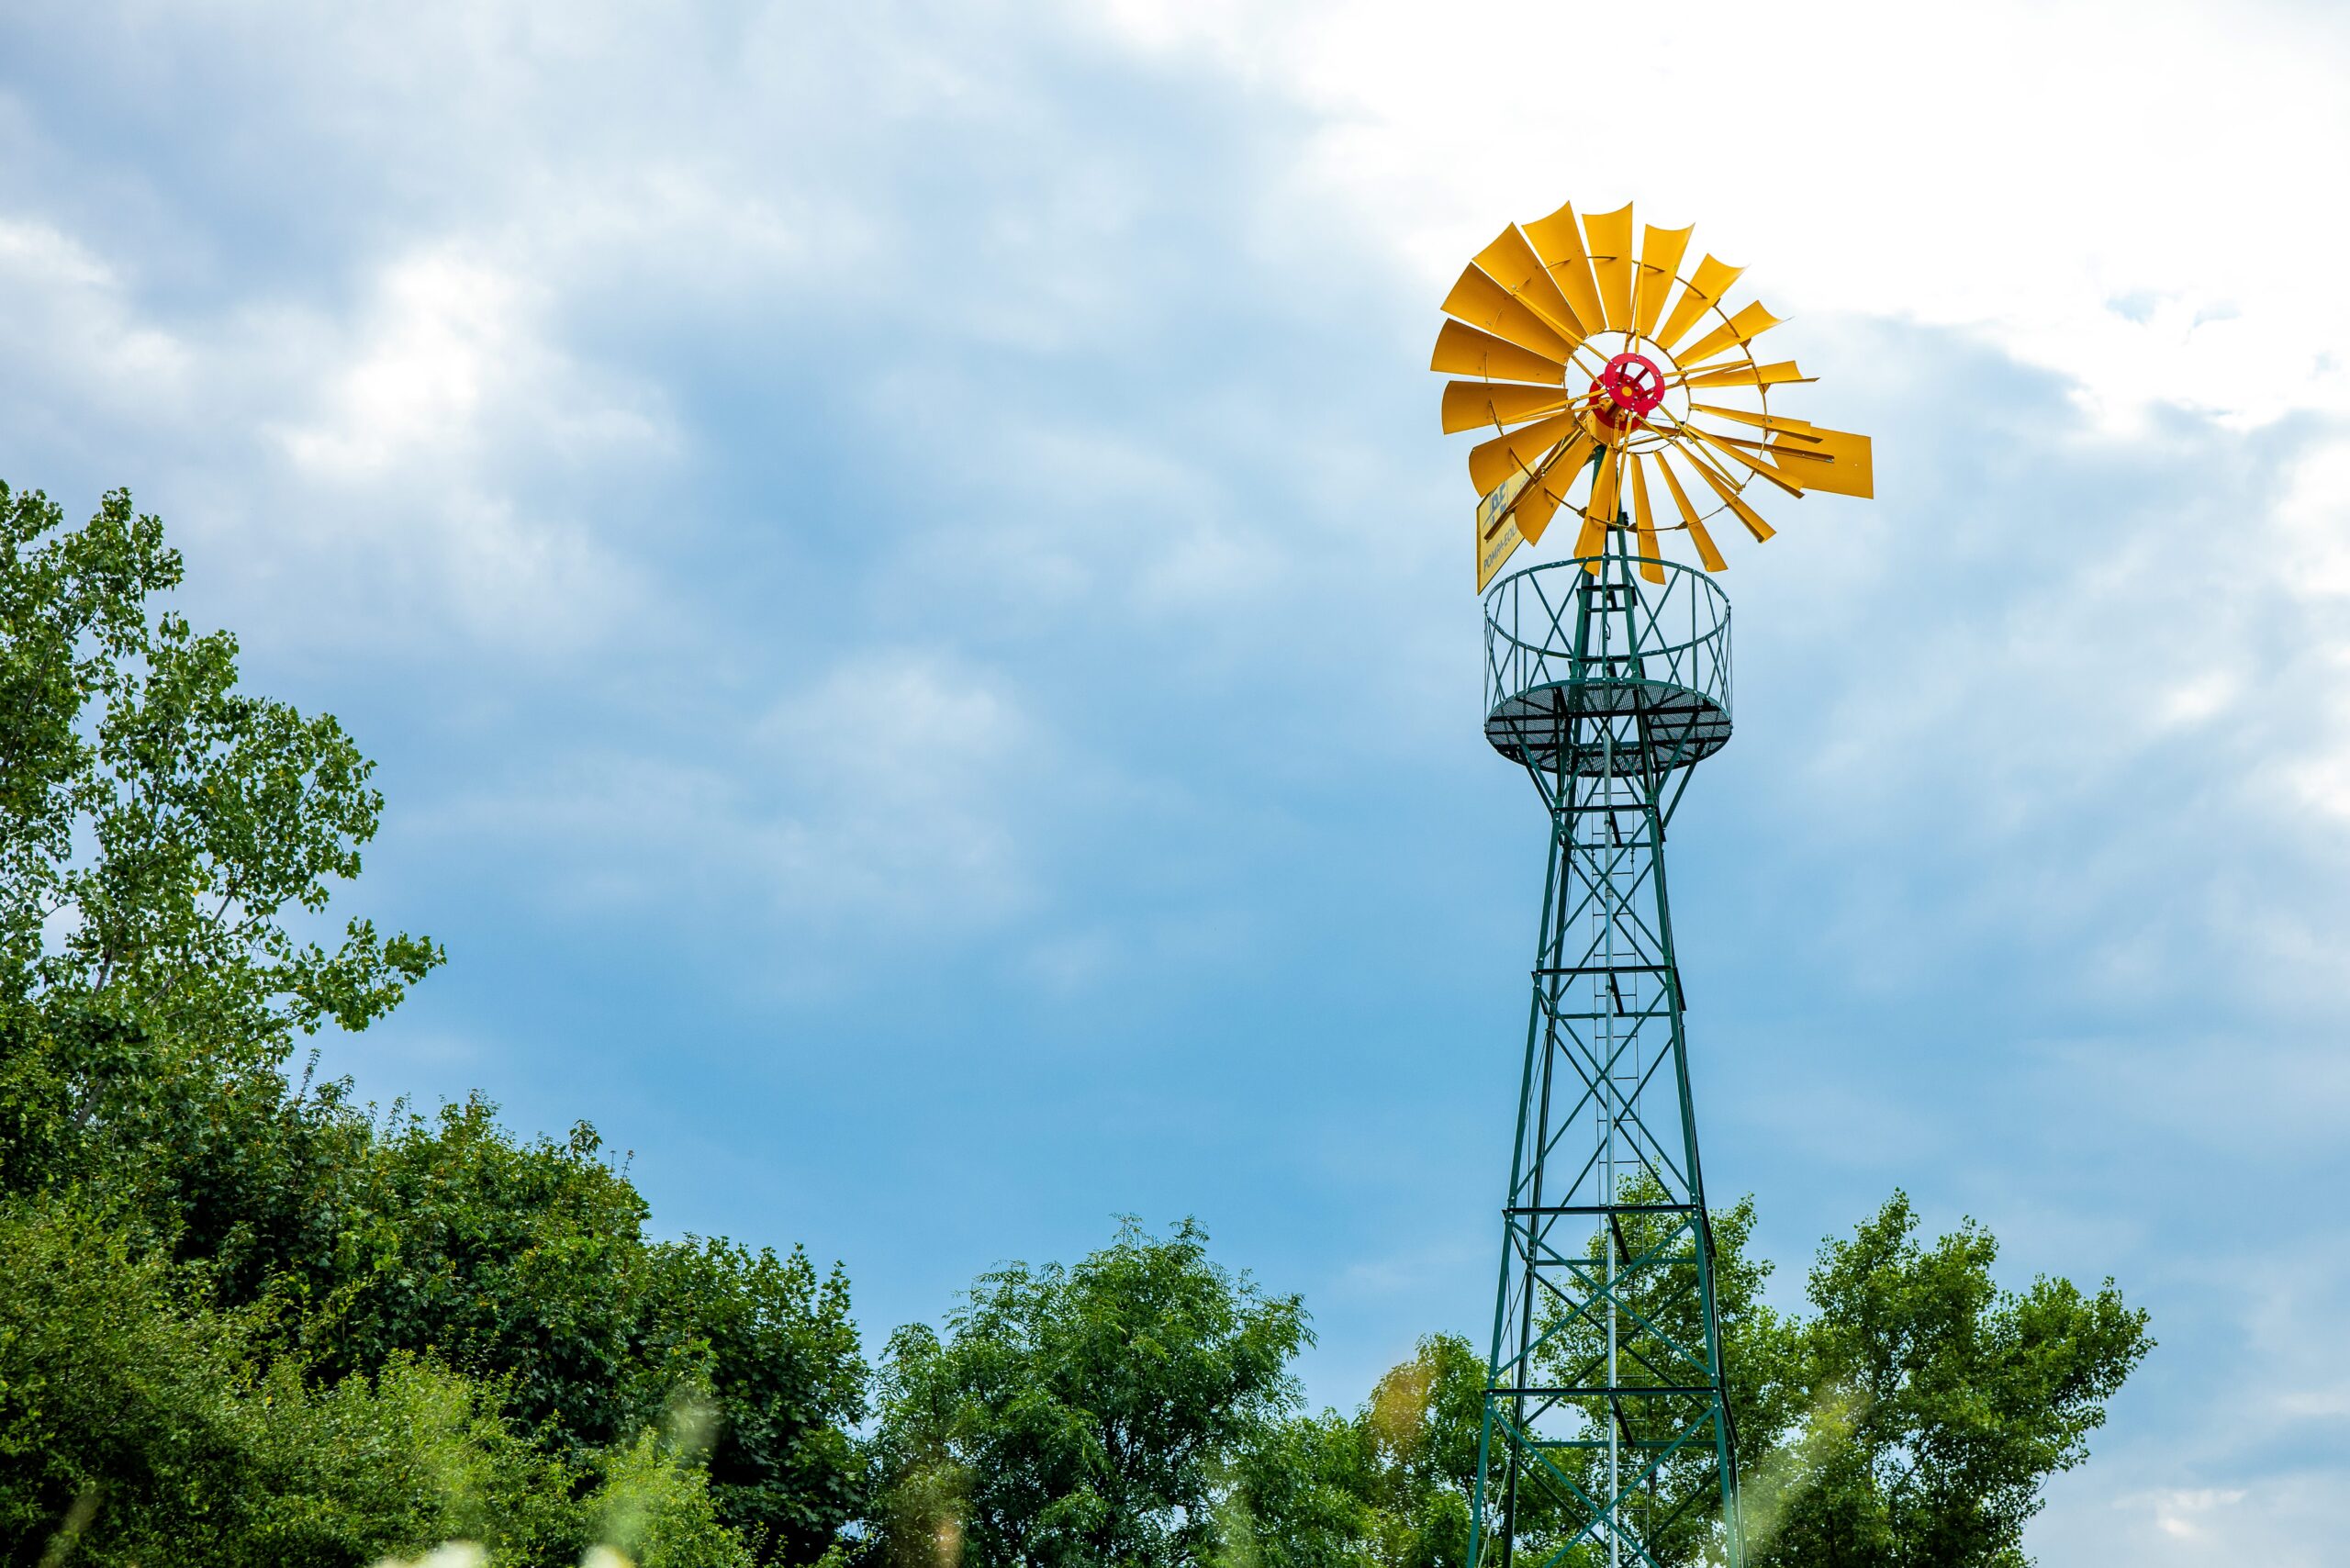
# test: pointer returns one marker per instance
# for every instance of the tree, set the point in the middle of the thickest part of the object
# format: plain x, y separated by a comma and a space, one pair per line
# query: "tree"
1083, 1415
160, 834
1911, 1421
512, 1260
138, 1425
1389, 1484
1300, 1497
524, 1263
167, 839
774, 1350
1939, 1405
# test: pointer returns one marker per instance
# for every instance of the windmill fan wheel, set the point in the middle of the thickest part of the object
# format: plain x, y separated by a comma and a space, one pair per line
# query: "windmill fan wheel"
1612, 383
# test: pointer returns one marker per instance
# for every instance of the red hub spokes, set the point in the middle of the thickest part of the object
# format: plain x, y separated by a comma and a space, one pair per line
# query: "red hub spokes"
1626, 392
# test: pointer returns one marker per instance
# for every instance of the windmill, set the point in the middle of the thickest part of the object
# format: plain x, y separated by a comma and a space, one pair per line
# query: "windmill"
1613, 383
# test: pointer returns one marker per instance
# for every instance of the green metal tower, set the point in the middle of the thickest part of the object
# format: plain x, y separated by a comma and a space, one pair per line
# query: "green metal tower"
1608, 1431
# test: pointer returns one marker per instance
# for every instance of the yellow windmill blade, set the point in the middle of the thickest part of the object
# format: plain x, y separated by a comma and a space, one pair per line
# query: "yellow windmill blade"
1708, 551
1644, 521
1746, 374
1720, 485
1558, 240
1750, 322
1542, 498
1728, 447
1519, 451
1474, 405
1511, 261
1661, 253
1483, 303
1534, 508
1804, 446
1836, 461
1802, 430
1699, 295
1611, 263
1800, 454
1461, 350
1797, 466
1599, 511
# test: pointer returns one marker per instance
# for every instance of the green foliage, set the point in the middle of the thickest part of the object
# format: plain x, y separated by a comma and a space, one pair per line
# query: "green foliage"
179, 1445
1389, 1484
1299, 1499
1082, 1415
327, 1338
161, 826
162, 836
1422, 1423
658, 1511
511, 1259
779, 1355
525, 1263
1910, 1422
1939, 1405
183, 1440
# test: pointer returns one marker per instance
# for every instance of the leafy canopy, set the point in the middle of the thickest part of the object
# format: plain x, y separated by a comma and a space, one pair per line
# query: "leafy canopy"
1081, 1416
159, 829
168, 847
1937, 1404
1912, 1420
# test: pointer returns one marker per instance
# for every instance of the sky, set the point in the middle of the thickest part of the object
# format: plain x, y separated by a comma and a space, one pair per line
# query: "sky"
899, 569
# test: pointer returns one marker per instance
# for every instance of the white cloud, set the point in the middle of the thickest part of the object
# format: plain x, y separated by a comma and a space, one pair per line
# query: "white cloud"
2285, 1520
405, 437
443, 335
2314, 519
2184, 1513
417, 429
69, 313
415, 386
2125, 198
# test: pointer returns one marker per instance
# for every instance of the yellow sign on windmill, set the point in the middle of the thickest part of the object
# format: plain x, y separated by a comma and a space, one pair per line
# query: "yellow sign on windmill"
1597, 367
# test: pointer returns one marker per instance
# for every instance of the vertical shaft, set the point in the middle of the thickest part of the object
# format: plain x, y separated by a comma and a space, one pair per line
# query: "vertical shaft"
1603, 1003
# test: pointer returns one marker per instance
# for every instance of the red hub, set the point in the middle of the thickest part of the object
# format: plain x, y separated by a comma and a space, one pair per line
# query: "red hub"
1629, 389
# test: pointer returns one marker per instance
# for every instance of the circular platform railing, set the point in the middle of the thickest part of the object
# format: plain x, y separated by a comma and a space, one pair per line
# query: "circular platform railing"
1607, 672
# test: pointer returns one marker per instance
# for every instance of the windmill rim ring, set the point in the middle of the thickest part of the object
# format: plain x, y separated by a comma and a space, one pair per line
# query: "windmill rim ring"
1572, 657
1496, 633
1680, 570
